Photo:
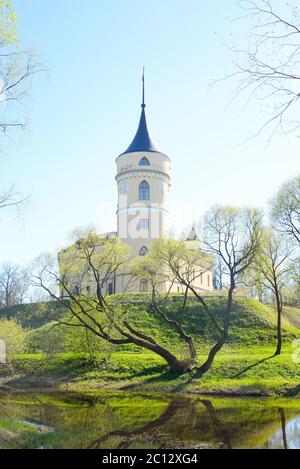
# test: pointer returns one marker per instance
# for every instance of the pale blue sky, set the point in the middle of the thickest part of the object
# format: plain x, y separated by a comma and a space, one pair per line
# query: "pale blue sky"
86, 111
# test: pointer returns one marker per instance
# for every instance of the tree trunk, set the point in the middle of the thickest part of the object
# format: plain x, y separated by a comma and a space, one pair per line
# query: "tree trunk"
279, 314
283, 427
175, 365
219, 344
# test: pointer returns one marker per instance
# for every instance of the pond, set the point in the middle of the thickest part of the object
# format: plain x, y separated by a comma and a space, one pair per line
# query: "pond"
135, 420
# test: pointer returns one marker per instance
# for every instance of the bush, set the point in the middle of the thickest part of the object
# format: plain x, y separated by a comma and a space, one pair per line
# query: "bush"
14, 337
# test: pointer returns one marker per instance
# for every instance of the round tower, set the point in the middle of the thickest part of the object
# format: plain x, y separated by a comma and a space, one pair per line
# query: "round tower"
143, 179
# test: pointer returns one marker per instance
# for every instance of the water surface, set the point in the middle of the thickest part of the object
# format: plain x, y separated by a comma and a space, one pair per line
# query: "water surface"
130, 420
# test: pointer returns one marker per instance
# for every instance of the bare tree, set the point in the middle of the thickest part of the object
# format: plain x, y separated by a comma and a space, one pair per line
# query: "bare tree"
234, 235
14, 285
218, 275
98, 260
267, 65
273, 262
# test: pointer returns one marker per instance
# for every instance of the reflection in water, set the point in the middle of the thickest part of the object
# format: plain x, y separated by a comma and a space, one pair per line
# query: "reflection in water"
129, 420
289, 435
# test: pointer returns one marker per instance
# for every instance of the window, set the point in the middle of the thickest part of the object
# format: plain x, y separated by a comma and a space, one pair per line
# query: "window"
110, 288
208, 281
144, 224
77, 290
144, 191
143, 285
88, 290
144, 162
143, 251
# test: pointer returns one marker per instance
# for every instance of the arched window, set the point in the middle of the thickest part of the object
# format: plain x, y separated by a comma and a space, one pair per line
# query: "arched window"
143, 285
144, 191
144, 162
143, 251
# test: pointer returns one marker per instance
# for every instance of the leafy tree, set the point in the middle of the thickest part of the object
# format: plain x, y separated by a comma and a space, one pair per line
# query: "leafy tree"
8, 19
285, 210
17, 68
95, 259
273, 263
233, 235
14, 337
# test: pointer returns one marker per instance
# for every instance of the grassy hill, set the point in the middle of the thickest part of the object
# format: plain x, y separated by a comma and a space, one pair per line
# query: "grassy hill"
33, 315
252, 323
292, 315
245, 366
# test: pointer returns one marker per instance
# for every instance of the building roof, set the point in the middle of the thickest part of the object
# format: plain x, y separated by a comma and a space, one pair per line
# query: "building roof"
192, 236
142, 140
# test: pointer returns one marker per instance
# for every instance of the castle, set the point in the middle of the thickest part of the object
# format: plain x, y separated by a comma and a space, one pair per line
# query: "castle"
143, 181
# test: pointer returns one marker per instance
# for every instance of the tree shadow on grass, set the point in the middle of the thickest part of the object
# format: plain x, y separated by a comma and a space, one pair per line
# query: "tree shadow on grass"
293, 392
164, 376
253, 366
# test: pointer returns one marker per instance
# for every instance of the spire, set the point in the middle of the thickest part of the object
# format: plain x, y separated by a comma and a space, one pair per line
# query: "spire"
142, 140
192, 236
143, 80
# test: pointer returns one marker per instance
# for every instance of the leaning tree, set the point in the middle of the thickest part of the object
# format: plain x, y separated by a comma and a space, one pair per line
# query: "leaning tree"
95, 260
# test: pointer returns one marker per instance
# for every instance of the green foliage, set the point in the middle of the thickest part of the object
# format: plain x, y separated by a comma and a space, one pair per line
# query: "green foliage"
14, 337
54, 338
33, 315
285, 209
8, 19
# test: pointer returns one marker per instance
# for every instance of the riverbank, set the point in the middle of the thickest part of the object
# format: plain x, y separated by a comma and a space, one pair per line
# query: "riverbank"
236, 372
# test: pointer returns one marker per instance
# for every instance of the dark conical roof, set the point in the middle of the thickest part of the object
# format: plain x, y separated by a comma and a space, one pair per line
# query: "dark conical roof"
142, 140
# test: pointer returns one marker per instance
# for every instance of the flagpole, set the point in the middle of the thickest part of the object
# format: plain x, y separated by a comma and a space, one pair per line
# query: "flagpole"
143, 79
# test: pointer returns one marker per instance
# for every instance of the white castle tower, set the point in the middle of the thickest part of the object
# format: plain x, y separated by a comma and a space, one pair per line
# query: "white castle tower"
143, 178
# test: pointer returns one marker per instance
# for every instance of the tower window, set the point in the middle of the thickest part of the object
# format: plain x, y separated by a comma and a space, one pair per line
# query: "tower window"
144, 191
144, 224
144, 162
143, 251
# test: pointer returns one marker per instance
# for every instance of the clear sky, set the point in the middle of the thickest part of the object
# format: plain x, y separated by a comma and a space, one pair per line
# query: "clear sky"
85, 112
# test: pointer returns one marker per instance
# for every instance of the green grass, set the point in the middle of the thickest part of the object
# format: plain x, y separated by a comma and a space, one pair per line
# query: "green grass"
244, 365
235, 371
292, 315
